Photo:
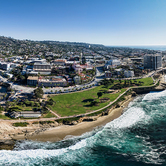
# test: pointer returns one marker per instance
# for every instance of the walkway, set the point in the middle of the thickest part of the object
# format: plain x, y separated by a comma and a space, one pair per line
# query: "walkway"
80, 115
53, 112
25, 89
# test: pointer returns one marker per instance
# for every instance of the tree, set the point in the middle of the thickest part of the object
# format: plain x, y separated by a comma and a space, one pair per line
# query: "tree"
94, 103
99, 94
38, 93
5, 95
50, 102
7, 105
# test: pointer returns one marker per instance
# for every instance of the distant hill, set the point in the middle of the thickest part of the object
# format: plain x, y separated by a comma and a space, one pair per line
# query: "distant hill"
9, 40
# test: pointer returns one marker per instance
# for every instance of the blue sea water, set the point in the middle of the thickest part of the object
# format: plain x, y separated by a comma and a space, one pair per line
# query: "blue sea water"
159, 48
150, 47
136, 138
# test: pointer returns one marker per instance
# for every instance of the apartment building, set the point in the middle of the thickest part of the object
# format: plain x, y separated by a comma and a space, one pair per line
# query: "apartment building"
152, 61
52, 81
42, 68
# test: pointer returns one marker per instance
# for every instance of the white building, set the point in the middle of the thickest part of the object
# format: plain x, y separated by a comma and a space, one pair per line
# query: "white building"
113, 63
4, 65
77, 80
128, 73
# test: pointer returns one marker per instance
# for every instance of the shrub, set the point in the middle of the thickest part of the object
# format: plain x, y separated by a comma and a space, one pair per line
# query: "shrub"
35, 122
46, 122
67, 120
20, 124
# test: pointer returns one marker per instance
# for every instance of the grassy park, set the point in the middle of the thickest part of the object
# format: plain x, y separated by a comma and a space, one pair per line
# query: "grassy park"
81, 102
86, 101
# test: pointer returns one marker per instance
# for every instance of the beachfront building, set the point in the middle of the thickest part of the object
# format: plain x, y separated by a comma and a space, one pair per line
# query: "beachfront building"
152, 61
52, 81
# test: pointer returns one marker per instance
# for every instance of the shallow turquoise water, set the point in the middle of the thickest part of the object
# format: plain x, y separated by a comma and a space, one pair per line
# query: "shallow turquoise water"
137, 138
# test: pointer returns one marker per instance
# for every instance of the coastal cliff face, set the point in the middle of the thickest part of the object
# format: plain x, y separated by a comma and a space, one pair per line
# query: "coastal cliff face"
7, 144
9, 133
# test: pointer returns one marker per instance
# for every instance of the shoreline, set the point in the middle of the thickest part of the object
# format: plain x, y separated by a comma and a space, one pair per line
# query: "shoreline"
59, 133
56, 132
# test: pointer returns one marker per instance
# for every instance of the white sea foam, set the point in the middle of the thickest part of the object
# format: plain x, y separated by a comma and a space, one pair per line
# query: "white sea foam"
128, 119
23, 155
119, 140
78, 145
154, 96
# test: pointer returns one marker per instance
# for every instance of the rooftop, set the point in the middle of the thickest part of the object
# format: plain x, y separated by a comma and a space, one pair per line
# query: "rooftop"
41, 63
32, 78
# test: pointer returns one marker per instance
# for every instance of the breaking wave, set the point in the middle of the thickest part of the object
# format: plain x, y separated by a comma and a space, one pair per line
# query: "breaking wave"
137, 137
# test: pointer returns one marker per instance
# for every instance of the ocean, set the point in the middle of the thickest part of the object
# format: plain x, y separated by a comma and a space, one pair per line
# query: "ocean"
150, 47
160, 48
136, 138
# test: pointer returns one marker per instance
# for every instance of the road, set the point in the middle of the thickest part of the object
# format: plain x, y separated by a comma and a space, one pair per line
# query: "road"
99, 76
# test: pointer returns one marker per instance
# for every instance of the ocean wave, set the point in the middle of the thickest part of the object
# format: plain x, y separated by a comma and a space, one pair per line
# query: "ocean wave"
127, 119
154, 96
137, 134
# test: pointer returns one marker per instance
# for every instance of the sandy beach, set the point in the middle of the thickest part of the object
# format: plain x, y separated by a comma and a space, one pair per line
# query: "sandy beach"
60, 132
54, 132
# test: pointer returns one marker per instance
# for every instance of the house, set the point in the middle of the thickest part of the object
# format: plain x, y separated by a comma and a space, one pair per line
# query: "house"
118, 71
79, 68
128, 73
8, 75
77, 80
59, 62
108, 74
4, 65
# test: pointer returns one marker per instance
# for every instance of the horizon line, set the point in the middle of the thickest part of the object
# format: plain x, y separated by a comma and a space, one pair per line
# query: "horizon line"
87, 42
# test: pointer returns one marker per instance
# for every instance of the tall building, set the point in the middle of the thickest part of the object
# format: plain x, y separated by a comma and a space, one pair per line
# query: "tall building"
152, 61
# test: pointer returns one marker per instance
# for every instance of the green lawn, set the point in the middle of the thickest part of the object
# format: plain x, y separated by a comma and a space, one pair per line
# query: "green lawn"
48, 115
19, 108
79, 103
4, 117
146, 81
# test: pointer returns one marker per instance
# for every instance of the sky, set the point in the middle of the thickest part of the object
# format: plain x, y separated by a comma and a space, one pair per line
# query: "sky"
107, 22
